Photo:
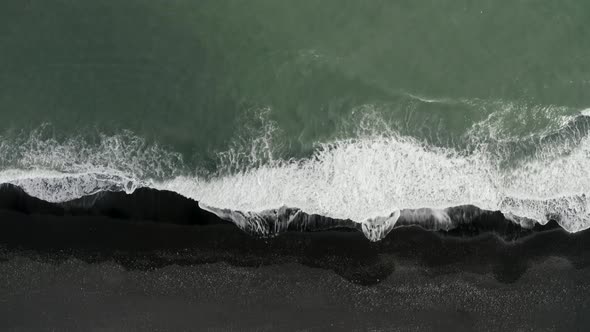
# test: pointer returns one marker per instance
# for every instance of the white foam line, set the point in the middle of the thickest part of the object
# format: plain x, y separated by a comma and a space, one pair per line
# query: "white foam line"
360, 179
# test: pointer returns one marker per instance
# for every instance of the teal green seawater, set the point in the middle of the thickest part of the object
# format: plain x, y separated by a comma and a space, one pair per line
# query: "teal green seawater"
190, 74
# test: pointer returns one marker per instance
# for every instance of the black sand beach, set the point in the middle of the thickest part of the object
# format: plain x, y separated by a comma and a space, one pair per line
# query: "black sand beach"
104, 267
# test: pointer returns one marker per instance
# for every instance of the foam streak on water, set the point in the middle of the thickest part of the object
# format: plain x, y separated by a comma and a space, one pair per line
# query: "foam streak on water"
356, 179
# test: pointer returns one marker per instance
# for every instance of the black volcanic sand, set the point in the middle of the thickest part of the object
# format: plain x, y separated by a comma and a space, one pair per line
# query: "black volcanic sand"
151, 261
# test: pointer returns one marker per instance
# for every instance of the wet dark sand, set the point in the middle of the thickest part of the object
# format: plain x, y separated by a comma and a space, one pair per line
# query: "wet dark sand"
117, 271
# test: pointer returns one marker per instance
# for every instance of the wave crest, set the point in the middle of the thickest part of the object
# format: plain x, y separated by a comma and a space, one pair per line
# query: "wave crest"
369, 179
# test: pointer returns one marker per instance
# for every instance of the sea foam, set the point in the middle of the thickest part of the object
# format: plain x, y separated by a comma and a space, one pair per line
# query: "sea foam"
369, 179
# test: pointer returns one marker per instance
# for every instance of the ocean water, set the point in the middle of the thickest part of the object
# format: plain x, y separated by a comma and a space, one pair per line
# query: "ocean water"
347, 109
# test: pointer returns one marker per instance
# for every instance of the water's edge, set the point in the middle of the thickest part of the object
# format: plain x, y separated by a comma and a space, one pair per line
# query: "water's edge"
161, 206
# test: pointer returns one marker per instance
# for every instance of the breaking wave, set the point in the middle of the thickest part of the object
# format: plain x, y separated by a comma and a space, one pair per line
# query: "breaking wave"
376, 179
